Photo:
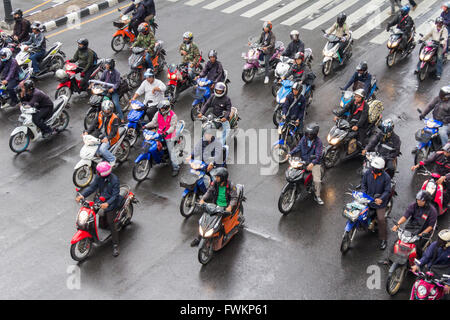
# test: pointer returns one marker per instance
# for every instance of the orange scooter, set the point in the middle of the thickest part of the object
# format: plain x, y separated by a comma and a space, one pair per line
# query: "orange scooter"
217, 227
123, 34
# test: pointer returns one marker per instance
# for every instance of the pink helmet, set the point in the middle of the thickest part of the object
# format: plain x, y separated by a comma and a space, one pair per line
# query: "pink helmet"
104, 169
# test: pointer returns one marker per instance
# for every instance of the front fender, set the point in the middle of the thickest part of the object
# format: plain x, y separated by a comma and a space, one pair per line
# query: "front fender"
350, 225
326, 59
287, 185
143, 156
64, 84
23, 129
80, 235
83, 162
281, 142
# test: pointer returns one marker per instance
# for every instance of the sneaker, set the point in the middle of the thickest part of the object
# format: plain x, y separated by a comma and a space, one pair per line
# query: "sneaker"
4, 106
383, 244
116, 251
266, 80
319, 200
195, 242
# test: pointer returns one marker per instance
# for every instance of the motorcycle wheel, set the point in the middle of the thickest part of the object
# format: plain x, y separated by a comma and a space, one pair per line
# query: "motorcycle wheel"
83, 176
141, 170
421, 155
124, 152
195, 111
125, 102
275, 88
326, 68
63, 121
394, 281
346, 240
63, 91
57, 63
422, 74
118, 43
280, 153
130, 211
310, 98
187, 205
331, 157
205, 253
19, 142
277, 116
287, 200
90, 118
134, 78
132, 136
389, 207
162, 63
80, 251
390, 59
248, 75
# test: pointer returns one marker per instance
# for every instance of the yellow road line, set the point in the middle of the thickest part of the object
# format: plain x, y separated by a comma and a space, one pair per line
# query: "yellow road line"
39, 5
84, 22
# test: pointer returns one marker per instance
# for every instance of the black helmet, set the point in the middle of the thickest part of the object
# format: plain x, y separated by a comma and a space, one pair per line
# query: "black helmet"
423, 195
341, 19
17, 11
362, 66
84, 42
297, 86
444, 93
212, 53
29, 85
111, 62
312, 130
222, 173
387, 126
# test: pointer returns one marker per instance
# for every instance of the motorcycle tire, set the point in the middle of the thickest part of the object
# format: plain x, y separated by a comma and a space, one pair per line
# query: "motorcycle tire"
130, 210
288, 195
63, 120
118, 43
280, 153
57, 63
395, 279
421, 155
389, 207
248, 75
422, 74
125, 102
390, 59
187, 213
205, 253
195, 110
20, 135
90, 118
276, 118
89, 174
326, 68
125, 152
134, 78
63, 91
331, 157
80, 255
346, 240
141, 177
132, 136
275, 88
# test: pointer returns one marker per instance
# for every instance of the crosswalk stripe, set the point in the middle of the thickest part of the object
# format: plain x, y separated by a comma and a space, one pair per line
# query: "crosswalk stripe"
425, 27
422, 9
307, 12
263, 6
286, 9
215, 4
193, 2
365, 10
372, 24
238, 6
329, 14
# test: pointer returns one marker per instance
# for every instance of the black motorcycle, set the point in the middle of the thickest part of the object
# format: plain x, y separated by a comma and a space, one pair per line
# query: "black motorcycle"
395, 52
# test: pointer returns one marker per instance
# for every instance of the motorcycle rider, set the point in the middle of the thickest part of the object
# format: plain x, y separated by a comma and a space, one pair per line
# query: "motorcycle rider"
36, 98
296, 45
166, 121
153, 90
340, 30
437, 257
360, 79
386, 136
311, 145
376, 182
107, 185
139, 15
150, 10
221, 192
112, 75
146, 39
441, 111
358, 110
106, 128
299, 70
445, 14
267, 41
209, 150
437, 33
294, 107
221, 105
22, 27
404, 22
9, 74
213, 69
87, 61
189, 52
421, 217
37, 43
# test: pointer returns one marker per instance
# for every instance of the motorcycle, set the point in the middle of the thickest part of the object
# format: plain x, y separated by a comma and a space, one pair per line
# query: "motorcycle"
138, 64
7, 41
28, 131
215, 229
92, 225
4, 94
299, 185
210, 121
155, 151
437, 191
136, 119
393, 44
179, 81
52, 61
123, 35
428, 58
202, 94
255, 58
361, 217
70, 83
428, 139
289, 136
331, 53
84, 170
428, 286
194, 187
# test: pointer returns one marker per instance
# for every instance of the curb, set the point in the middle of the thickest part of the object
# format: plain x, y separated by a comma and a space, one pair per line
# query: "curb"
75, 16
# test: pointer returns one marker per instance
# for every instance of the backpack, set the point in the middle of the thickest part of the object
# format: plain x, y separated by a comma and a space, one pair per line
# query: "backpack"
95, 57
375, 110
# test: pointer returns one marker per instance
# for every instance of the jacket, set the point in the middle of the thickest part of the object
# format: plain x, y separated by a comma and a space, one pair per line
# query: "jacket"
22, 30
96, 129
358, 112
379, 186
9, 70
37, 42
213, 71
193, 53
85, 59
306, 152
149, 7
173, 124
339, 31
112, 77
213, 192
293, 48
221, 106
421, 216
436, 35
377, 141
209, 151
441, 110
38, 100
269, 42
446, 16
365, 78
403, 23
139, 12
294, 107
108, 187
146, 41
442, 164
435, 255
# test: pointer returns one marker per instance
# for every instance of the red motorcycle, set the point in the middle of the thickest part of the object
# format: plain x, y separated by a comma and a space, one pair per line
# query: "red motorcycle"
70, 83
436, 190
179, 81
91, 225
428, 286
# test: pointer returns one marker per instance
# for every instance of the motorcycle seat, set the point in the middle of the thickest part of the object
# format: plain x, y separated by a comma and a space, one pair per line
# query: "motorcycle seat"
47, 53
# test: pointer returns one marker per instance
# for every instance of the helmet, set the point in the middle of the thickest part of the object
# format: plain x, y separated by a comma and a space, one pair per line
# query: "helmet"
360, 92
446, 4
222, 173
5, 54
189, 36
107, 106
362, 66
444, 93
299, 55
137, 1
297, 86
84, 42
377, 163
104, 169
387, 126
423, 195
444, 237
446, 148
212, 53
143, 27
28, 85
439, 20
164, 107
267, 24
312, 130
17, 11
341, 19
111, 62
149, 74
220, 86
405, 10
295, 35
36, 25
61, 74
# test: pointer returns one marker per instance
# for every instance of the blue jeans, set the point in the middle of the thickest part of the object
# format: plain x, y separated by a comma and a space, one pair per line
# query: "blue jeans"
105, 153
116, 100
148, 60
225, 130
35, 58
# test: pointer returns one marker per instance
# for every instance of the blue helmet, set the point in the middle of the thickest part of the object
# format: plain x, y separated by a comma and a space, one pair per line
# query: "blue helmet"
405, 10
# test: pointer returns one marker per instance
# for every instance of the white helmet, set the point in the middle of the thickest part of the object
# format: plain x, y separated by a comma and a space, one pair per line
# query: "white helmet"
61, 74
295, 35
377, 163
5, 54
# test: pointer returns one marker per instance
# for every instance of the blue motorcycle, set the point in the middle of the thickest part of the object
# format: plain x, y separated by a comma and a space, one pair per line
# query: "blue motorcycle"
201, 95
135, 121
289, 136
428, 139
195, 187
360, 216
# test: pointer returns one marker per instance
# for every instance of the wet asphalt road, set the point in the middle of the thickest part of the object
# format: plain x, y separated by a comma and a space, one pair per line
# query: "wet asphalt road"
292, 257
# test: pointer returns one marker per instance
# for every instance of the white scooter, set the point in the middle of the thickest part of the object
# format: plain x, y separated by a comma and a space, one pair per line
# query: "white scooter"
52, 61
330, 52
22, 136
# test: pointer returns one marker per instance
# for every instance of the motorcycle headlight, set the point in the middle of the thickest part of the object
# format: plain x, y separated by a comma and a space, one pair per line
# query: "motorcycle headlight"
422, 291
428, 57
97, 91
82, 218
422, 55
431, 188
332, 141
209, 233
200, 230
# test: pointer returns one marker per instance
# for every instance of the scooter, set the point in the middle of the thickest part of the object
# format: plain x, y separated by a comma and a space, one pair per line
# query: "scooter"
255, 58
179, 81
437, 191
299, 185
216, 229
136, 119
289, 136
194, 187
92, 225
201, 95
428, 139
85, 168
52, 61
393, 44
428, 286
155, 151
123, 35
428, 58
330, 52
28, 131
138, 64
